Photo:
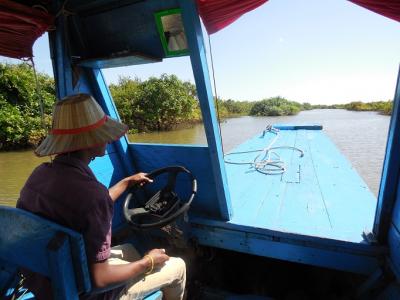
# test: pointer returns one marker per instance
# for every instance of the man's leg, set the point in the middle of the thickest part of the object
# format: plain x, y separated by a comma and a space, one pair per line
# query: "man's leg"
171, 278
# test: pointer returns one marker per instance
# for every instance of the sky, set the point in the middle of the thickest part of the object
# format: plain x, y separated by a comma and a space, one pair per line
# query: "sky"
322, 52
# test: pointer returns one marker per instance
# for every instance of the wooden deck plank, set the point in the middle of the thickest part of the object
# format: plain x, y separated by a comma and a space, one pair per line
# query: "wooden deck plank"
304, 209
272, 205
249, 188
244, 174
350, 203
319, 195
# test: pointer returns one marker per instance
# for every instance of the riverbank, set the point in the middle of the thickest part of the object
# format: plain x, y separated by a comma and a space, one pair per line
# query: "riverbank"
360, 136
152, 105
382, 107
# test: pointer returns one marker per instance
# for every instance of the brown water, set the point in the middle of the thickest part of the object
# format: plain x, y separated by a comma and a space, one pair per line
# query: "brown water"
15, 168
361, 136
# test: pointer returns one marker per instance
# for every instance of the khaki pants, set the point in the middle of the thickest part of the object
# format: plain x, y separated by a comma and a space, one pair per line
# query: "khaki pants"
171, 278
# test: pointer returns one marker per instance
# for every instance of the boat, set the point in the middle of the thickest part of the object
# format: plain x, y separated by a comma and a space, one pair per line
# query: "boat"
284, 201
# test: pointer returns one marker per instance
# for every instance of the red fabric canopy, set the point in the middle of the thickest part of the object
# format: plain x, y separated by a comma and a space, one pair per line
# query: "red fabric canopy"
217, 14
20, 26
387, 8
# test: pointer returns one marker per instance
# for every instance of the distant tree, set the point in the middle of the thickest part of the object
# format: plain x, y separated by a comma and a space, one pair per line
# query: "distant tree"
164, 103
307, 106
126, 95
384, 107
156, 103
276, 106
237, 107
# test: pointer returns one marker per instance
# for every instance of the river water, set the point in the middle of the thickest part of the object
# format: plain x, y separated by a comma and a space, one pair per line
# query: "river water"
361, 137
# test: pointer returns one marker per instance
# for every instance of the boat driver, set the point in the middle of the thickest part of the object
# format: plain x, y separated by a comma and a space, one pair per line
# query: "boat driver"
67, 192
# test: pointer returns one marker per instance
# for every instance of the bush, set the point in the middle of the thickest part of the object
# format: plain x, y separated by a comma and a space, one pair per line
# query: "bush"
155, 104
20, 115
276, 106
384, 107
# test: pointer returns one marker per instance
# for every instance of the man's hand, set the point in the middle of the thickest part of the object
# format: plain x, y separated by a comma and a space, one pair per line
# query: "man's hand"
120, 187
104, 274
139, 178
159, 257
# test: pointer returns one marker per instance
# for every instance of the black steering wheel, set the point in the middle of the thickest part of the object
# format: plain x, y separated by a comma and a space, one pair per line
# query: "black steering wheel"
164, 206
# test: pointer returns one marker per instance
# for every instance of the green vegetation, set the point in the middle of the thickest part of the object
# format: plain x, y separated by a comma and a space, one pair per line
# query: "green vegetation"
231, 108
384, 107
20, 119
164, 103
154, 104
325, 106
276, 106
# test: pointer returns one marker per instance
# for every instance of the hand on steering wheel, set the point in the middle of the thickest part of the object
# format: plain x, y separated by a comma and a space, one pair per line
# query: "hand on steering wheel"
164, 206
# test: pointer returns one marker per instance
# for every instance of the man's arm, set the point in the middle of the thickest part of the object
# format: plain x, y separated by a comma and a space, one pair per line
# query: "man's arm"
104, 274
120, 187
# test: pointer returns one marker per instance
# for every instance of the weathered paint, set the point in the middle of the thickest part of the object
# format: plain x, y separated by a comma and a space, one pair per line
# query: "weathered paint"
389, 186
125, 60
200, 71
315, 213
319, 195
194, 158
31, 242
25, 241
294, 249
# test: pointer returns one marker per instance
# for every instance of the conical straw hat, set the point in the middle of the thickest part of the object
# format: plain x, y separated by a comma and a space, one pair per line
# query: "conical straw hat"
79, 123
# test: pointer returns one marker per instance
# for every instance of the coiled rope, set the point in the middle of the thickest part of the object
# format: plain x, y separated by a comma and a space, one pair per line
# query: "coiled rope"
267, 161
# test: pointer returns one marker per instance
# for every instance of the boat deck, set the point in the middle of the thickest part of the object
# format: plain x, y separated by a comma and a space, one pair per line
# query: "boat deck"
316, 212
320, 194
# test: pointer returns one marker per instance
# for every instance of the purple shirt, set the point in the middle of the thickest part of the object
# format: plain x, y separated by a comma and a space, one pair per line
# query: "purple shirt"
67, 192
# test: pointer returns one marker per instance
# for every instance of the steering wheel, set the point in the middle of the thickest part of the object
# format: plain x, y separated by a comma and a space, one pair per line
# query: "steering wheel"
164, 206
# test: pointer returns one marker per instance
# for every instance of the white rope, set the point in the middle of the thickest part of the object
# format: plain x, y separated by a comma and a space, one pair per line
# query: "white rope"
267, 161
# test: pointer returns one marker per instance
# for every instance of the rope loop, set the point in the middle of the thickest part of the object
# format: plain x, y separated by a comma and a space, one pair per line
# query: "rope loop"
267, 161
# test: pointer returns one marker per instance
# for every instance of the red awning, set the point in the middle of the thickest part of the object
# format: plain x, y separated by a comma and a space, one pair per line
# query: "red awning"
387, 8
217, 14
20, 26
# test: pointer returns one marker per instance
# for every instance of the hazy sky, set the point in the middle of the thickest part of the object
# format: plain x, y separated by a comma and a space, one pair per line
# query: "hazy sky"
329, 51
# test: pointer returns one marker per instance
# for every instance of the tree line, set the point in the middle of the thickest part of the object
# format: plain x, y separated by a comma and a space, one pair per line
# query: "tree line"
158, 103
383, 107
20, 112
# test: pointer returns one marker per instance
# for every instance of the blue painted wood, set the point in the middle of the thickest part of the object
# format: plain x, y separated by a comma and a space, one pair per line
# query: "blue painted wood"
314, 213
125, 60
297, 127
392, 292
103, 96
60, 267
396, 212
319, 195
61, 62
109, 169
239, 240
108, 26
394, 249
390, 174
113, 168
36, 244
296, 239
24, 238
200, 71
8, 277
194, 158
